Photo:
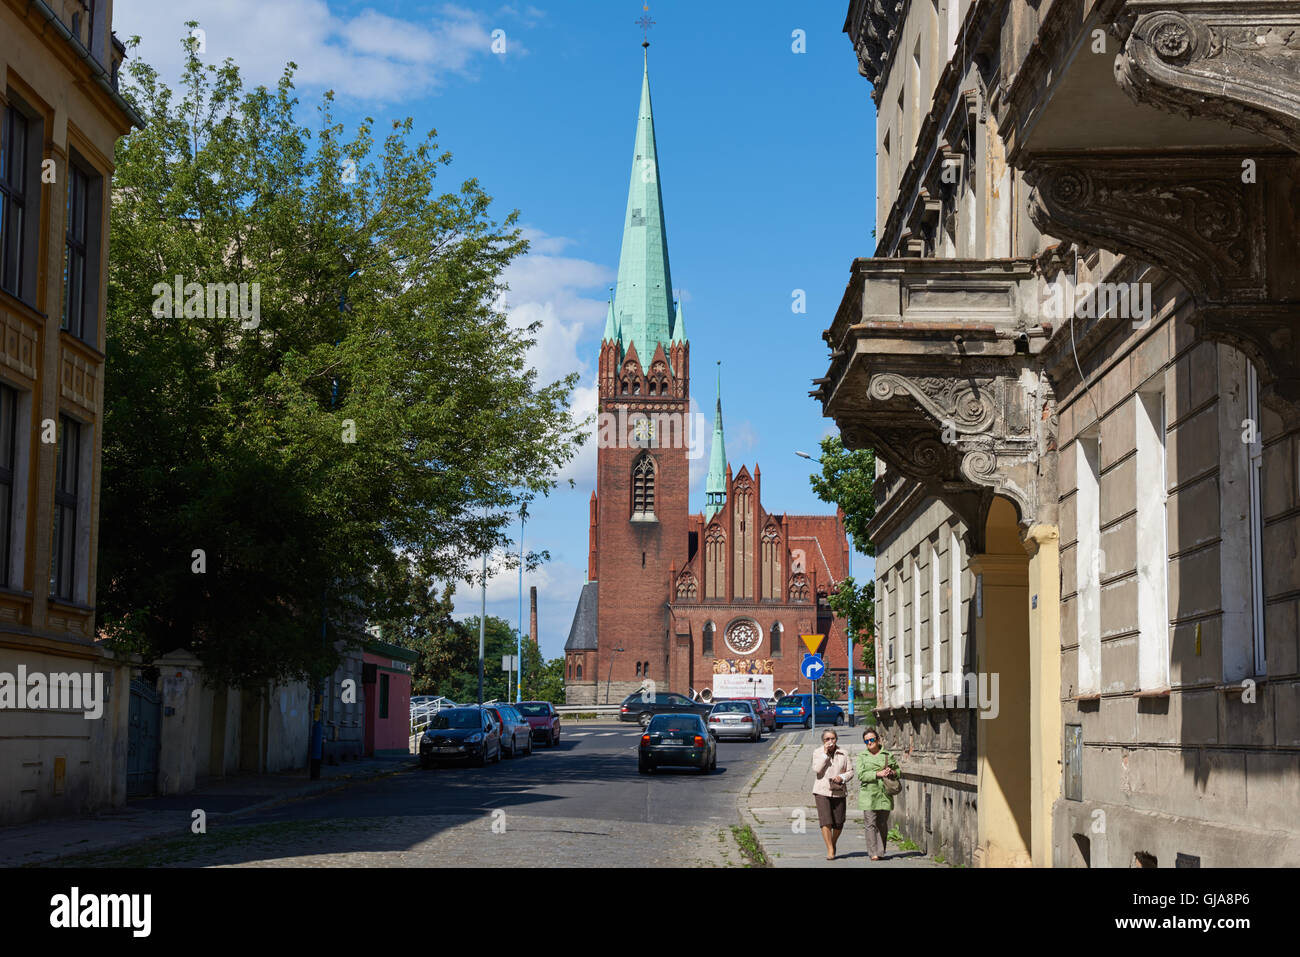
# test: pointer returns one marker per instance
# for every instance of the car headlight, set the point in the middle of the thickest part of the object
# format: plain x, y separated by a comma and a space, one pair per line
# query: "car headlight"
475, 738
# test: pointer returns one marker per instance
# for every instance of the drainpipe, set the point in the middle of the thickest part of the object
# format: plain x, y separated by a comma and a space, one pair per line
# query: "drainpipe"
97, 71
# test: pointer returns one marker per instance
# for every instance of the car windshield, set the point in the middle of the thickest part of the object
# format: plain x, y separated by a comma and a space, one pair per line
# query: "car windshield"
674, 722
456, 721
731, 706
534, 709
791, 702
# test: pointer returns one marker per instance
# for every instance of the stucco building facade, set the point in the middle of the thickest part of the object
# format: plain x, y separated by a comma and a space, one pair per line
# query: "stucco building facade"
1075, 354
60, 118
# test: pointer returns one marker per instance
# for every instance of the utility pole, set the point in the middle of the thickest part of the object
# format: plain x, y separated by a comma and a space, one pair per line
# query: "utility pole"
482, 624
519, 634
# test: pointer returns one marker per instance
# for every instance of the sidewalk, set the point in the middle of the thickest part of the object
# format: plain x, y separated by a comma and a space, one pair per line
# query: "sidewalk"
782, 788
42, 842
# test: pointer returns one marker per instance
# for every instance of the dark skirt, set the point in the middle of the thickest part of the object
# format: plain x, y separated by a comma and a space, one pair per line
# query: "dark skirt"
830, 810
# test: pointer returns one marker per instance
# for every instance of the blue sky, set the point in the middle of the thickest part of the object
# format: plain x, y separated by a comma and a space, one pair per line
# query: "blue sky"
767, 165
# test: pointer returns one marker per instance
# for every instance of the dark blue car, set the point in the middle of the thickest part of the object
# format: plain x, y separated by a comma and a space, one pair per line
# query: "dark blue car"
793, 709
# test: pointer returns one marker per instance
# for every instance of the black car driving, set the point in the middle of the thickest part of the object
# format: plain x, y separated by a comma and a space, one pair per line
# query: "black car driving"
644, 705
681, 740
461, 734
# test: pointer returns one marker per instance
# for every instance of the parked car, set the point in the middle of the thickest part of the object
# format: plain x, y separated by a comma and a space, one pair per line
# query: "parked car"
681, 740
642, 707
735, 719
764, 708
543, 719
516, 734
793, 709
468, 734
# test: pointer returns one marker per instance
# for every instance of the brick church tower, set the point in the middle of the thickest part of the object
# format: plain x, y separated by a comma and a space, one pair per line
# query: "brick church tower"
701, 603
639, 521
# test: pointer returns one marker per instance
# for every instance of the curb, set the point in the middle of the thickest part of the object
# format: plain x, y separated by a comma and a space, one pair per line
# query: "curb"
161, 831
743, 813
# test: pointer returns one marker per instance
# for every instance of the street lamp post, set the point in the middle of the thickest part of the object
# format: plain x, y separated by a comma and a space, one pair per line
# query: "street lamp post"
853, 718
482, 623
519, 635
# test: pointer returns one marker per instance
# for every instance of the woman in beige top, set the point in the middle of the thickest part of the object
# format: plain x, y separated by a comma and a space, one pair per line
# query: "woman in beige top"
832, 771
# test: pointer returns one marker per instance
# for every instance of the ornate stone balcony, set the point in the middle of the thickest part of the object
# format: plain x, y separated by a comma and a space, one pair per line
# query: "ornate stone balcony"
933, 364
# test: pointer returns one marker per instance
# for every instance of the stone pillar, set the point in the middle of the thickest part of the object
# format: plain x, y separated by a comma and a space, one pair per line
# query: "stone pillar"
1042, 542
179, 676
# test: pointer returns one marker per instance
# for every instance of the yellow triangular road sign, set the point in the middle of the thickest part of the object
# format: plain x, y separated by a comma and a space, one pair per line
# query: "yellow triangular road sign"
813, 642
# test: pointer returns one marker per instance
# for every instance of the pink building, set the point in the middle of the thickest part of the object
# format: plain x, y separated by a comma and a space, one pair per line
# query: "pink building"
386, 679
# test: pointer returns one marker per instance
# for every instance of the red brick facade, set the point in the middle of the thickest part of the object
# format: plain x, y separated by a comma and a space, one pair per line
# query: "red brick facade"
663, 574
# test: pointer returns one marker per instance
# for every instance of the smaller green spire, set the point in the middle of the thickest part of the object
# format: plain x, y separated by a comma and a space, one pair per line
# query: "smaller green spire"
679, 325
715, 488
611, 331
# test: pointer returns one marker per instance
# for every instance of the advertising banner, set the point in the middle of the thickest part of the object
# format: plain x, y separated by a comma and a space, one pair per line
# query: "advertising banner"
743, 678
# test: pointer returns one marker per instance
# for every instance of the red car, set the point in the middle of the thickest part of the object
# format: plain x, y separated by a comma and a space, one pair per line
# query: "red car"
763, 708
514, 728
543, 719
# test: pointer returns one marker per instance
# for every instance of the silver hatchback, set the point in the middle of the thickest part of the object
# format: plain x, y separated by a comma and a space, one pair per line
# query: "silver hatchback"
735, 719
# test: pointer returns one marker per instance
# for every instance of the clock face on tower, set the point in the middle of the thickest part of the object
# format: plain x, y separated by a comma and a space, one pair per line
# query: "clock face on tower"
643, 432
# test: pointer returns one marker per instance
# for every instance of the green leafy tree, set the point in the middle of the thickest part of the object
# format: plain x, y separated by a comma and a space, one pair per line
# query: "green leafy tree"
545, 680
443, 644
498, 641
268, 475
846, 480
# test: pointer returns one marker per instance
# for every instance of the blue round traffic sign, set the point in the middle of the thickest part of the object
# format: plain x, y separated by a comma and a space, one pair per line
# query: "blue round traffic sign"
812, 667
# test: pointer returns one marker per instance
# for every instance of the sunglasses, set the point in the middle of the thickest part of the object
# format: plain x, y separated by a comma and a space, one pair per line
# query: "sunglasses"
869, 740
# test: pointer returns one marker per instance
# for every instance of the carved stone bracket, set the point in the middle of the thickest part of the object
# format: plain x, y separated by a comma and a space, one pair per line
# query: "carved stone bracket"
947, 389
1228, 237
1236, 61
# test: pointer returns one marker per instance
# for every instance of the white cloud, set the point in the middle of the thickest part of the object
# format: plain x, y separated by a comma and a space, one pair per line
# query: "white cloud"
549, 287
369, 55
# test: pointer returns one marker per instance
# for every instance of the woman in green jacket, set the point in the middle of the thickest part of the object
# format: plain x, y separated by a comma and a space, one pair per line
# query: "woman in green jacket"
873, 801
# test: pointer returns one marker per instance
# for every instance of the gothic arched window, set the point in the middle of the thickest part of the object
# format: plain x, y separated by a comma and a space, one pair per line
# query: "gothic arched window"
715, 563
579, 670
770, 564
643, 488
707, 644
774, 636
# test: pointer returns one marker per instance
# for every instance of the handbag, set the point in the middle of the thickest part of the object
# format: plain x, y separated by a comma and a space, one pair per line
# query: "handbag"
891, 785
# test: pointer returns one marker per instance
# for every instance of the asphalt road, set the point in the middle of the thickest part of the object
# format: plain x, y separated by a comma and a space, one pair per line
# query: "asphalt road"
582, 803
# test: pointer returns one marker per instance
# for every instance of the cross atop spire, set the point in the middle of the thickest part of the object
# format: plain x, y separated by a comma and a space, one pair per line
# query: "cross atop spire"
645, 23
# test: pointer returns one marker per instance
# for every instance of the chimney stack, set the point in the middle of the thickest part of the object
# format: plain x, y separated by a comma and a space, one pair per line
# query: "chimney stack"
532, 613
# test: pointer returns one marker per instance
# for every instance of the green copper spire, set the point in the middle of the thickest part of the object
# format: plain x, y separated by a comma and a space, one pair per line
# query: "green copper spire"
611, 327
679, 325
642, 308
715, 489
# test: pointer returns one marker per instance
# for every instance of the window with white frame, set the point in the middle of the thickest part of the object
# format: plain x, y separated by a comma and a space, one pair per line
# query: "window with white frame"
885, 652
936, 631
1256, 466
1087, 559
1152, 544
914, 572
956, 644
